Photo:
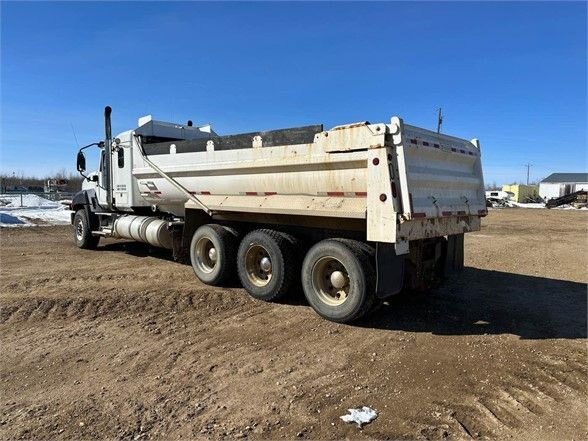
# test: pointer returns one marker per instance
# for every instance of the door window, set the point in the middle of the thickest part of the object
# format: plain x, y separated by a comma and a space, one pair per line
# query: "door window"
121, 157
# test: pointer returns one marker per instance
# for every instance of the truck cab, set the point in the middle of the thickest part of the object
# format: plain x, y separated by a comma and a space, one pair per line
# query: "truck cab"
112, 185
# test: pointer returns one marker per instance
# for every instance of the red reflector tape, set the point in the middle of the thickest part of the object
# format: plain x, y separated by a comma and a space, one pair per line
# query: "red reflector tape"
419, 215
270, 193
251, 193
362, 194
335, 193
447, 213
425, 143
413, 141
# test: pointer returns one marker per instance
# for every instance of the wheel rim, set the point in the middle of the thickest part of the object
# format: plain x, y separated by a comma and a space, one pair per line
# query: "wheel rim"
258, 265
206, 255
330, 280
79, 229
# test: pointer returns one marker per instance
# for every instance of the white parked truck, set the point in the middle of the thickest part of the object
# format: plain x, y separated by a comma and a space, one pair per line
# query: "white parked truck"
353, 214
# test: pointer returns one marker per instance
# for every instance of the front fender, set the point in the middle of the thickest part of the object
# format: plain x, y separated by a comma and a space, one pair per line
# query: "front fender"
85, 199
79, 200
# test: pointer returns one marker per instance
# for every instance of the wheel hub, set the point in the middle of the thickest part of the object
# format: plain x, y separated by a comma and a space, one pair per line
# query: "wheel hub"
206, 255
330, 280
265, 264
338, 279
258, 265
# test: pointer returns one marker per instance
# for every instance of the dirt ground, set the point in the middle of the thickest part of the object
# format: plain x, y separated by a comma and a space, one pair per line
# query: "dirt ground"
123, 343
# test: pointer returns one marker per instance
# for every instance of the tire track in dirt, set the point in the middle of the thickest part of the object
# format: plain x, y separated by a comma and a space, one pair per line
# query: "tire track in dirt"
517, 401
217, 305
76, 282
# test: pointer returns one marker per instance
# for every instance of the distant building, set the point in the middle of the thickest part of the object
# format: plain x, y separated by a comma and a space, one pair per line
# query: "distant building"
497, 195
560, 184
521, 193
55, 185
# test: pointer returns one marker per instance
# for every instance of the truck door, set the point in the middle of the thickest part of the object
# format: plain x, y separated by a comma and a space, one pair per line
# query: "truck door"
121, 175
100, 188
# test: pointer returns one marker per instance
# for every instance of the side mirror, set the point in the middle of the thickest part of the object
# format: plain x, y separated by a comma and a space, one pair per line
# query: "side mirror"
81, 162
94, 178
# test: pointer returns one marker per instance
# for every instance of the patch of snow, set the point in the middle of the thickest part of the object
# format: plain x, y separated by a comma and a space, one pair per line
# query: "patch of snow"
569, 207
529, 205
511, 204
35, 210
26, 200
360, 416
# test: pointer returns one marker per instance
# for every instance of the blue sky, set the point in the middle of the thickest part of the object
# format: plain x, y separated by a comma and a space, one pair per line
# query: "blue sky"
511, 74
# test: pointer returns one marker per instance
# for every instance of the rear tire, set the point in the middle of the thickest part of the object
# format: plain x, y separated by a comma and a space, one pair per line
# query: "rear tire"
82, 233
266, 264
338, 279
212, 253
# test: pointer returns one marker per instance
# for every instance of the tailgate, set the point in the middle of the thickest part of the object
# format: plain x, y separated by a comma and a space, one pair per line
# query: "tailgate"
439, 175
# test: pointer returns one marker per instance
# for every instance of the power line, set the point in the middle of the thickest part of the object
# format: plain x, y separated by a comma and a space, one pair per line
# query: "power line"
74, 134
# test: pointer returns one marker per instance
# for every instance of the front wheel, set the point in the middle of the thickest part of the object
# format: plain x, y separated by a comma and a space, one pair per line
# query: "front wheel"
83, 237
338, 279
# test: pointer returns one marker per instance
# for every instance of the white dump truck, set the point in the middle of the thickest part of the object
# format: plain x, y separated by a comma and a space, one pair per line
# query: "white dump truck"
352, 215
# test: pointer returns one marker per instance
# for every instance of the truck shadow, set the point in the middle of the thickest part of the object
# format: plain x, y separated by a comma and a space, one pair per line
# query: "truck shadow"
474, 302
137, 249
478, 301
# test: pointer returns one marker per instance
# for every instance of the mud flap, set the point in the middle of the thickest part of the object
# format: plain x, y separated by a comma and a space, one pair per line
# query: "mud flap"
389, 270
454, 254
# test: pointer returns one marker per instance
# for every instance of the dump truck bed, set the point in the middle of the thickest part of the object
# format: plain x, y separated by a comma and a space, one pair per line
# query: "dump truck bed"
402, 181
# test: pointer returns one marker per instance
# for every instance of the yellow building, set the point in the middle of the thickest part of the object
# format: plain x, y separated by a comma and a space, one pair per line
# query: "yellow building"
522, 193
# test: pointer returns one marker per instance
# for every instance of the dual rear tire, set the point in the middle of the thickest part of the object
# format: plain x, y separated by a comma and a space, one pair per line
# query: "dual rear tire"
212, 253
338, 277
266, 264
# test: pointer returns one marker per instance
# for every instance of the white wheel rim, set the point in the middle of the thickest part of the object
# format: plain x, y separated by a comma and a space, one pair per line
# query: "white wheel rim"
330, 281
79, 229
206, 255
258, 265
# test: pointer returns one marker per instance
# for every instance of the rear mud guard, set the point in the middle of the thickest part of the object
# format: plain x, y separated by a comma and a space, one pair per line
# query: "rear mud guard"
390, 270
454, 260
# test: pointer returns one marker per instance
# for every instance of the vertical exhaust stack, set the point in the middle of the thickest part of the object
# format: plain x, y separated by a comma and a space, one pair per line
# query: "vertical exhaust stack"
108, 156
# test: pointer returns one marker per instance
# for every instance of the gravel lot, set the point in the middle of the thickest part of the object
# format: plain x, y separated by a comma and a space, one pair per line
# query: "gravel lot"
123, 343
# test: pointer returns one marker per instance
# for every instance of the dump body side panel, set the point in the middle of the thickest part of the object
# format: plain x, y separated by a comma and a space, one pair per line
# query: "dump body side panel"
288, 177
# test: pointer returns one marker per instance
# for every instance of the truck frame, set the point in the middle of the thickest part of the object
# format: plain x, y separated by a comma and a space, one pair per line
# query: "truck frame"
356, 213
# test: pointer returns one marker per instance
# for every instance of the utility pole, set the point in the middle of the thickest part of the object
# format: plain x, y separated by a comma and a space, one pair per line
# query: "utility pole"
528, 165
439, 121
